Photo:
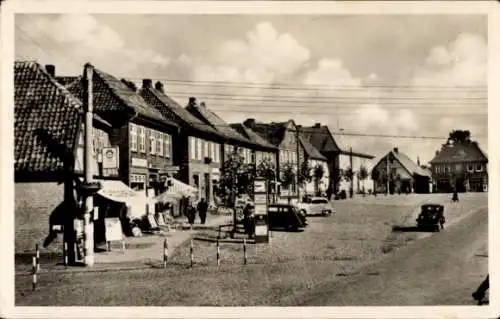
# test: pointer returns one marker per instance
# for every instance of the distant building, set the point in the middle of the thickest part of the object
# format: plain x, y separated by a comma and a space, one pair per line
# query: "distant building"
404, 175
316, 186
463, 165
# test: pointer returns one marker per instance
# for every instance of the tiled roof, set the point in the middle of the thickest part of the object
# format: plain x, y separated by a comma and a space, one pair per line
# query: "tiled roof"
310, 150
251, 135
67, 80
273, 132
203, 113
321, 138
460, 152
407, 163
112, 95
174, 112
46, 120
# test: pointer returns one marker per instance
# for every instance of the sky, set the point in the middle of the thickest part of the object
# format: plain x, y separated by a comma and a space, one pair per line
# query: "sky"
397, 75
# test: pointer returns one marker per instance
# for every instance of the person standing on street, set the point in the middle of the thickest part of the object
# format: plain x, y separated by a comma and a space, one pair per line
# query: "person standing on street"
202, 210
191, 213
455, 195
249, 219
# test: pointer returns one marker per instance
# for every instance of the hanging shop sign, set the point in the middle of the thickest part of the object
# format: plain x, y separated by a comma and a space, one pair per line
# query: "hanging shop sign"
110, 157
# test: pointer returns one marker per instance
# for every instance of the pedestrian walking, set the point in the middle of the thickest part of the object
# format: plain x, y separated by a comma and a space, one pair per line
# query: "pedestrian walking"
191, 213
202, 210
249, 219
455, 195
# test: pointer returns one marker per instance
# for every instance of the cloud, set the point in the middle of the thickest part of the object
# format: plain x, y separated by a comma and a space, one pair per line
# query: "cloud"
82, 38
330, 72
464, 62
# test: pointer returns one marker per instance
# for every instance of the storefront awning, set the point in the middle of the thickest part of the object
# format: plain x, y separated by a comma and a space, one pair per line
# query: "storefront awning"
119, 192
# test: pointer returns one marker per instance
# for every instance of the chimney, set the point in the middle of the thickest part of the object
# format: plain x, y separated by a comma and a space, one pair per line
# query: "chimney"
147, 83
192, 101
159, 86
317, 125
51, 70
250, 123
418, 160
202, 104
437, 153
395, 150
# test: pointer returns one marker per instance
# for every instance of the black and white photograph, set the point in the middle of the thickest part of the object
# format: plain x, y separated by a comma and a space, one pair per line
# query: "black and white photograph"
226, 155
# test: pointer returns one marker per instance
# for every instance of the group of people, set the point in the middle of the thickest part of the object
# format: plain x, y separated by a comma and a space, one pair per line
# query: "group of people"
201, 208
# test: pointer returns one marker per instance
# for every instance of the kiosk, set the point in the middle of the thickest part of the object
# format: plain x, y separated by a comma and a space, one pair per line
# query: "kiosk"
261, 202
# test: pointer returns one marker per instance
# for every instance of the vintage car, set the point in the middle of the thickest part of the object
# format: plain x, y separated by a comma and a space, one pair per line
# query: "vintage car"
316, 206
285, 216
431, 217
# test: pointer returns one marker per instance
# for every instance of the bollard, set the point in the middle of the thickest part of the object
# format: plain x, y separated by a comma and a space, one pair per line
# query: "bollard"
165, 253
37, 248
123, 246
191, 252
218, 254
34, 273
244, 251
65, 254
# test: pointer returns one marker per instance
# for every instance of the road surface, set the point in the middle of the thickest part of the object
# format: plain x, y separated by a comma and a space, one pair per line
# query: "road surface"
442, 269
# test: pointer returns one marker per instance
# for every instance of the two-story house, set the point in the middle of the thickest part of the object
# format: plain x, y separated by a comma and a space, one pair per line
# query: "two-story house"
199, 152
401, 172
461, 165
318, 184
144, 137
284, 136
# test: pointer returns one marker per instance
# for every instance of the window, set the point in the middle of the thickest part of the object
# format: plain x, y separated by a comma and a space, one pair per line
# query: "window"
479, 167
217, 153
205, 149
192, 147
167, 142
142, 140
159, 143
252, 157
458, 167
199, 148
152, 142
470, 167
133, 137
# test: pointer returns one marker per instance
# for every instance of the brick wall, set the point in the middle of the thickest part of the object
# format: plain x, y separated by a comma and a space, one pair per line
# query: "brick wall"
34, 203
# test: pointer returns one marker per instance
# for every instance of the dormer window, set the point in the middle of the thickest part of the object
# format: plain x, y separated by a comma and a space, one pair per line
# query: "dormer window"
479, 167
470, 168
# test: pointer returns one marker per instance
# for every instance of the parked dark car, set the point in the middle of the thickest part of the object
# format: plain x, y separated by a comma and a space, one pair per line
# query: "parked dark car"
341, 195
431, 217
285, 216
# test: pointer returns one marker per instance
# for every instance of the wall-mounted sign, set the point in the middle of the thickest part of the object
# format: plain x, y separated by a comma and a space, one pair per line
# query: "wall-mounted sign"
171, 168
139, 162
260, 210
260, 199
110, 157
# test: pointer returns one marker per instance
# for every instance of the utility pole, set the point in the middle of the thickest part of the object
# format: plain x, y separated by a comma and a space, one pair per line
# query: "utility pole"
298, 164
388, 173
87, 158
351, 191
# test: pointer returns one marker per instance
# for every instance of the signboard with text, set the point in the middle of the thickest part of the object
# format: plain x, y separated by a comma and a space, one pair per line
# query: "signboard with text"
110, 157
260, 201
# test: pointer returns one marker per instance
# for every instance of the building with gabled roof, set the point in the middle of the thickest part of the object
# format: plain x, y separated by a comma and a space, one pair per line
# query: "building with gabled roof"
461, 165
404, 175
200, 151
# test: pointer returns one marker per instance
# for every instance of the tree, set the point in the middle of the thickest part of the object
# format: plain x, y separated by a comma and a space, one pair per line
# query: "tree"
304, 175
267, 170
459, 136
318, 173
288, 176
349, 175
362, 176
232, 177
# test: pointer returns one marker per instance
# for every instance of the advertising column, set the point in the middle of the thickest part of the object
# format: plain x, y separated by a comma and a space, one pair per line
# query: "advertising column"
261, 202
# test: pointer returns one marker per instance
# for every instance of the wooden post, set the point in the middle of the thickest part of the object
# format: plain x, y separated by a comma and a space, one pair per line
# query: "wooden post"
34, 274
37, 249
244, 251
165, 253
65, 254
218, 253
